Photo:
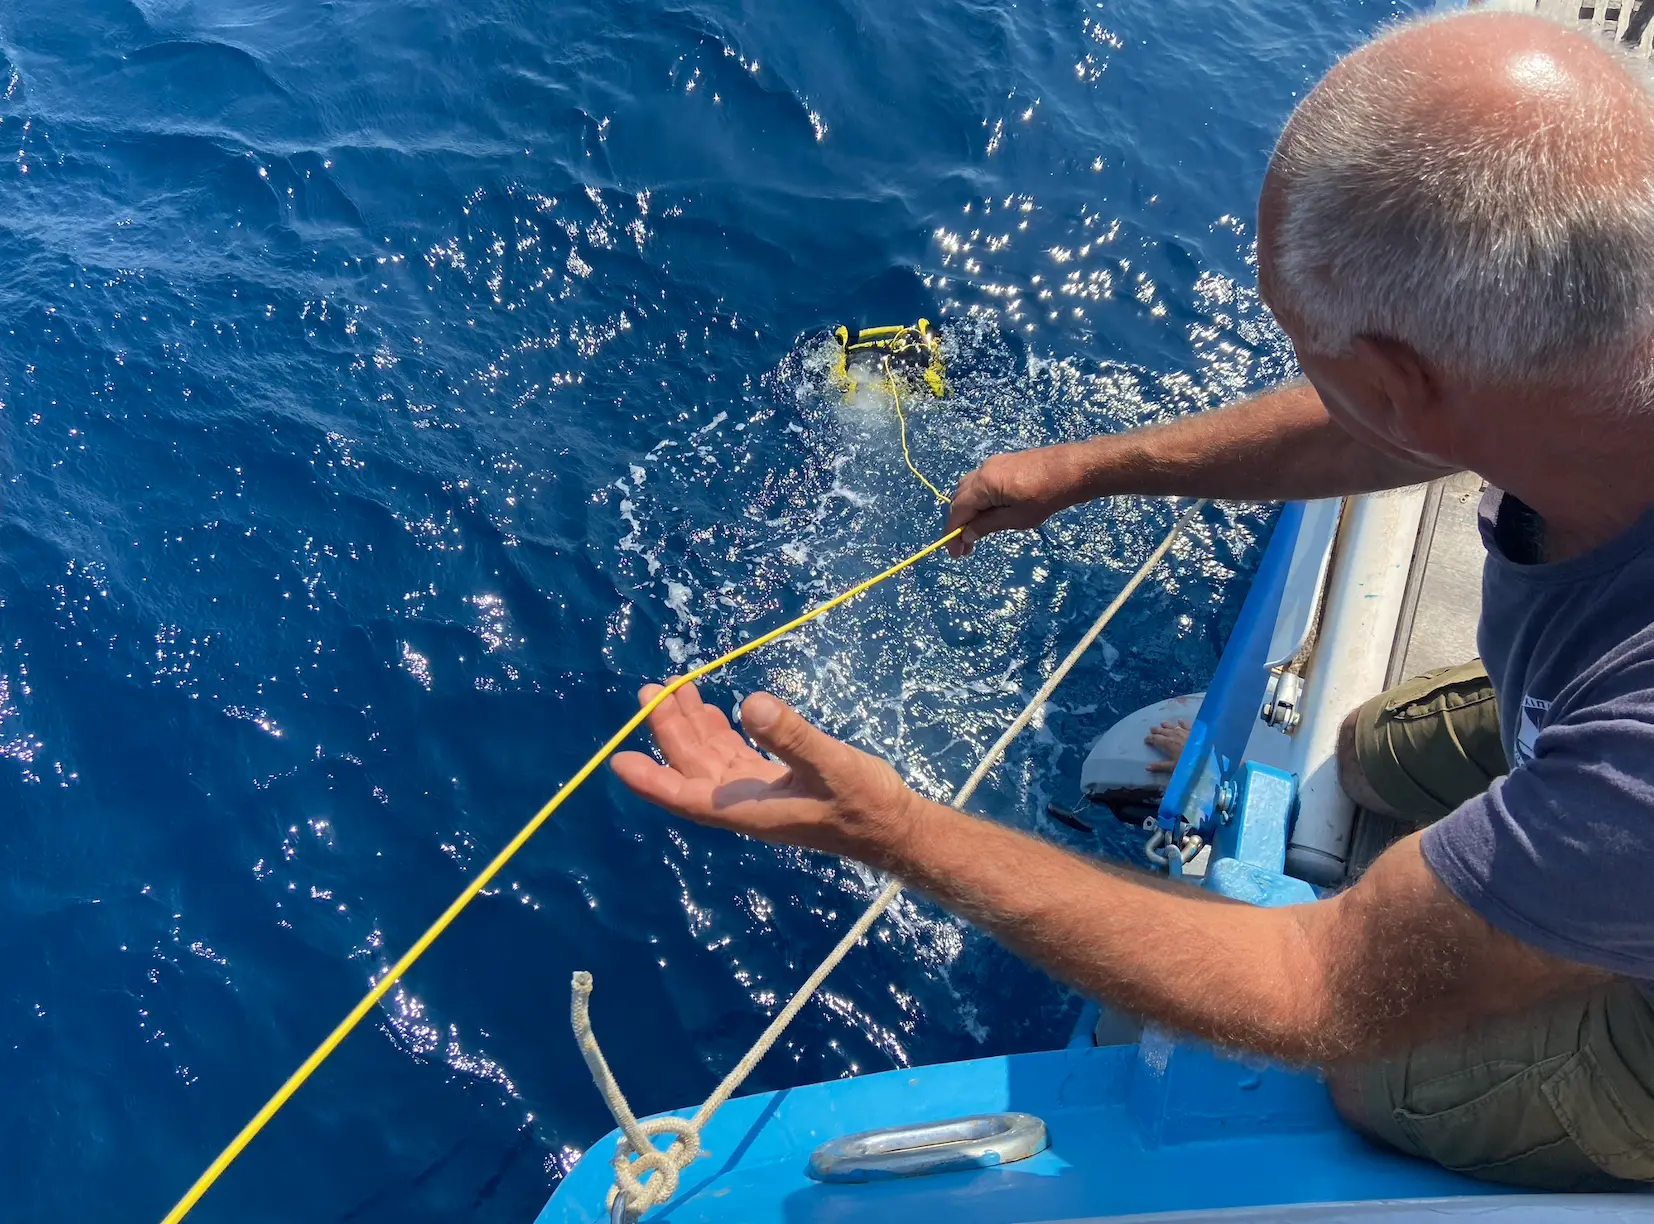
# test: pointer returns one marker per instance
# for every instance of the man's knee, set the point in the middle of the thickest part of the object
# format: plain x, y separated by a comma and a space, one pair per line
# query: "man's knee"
1344, 1086
1418, 750
1351, 777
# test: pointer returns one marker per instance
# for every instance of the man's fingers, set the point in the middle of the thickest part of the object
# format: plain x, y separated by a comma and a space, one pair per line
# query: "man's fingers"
997, 519
724, 742
1168, 737
775, 727
698, 741
985, 524
964, 544
969, 501
677, 732
711, 732
961, 510
746, 804
695, 738
980, 507
688, 698
791, 802
648, 778
970, 498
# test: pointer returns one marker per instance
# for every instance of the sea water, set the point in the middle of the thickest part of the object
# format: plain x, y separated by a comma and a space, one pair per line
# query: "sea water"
387, 390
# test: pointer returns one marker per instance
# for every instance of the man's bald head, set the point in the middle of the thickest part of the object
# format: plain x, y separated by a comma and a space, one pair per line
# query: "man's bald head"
1479, 187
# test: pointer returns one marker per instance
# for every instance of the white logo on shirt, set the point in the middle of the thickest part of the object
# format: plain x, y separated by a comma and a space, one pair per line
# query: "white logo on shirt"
1534, 711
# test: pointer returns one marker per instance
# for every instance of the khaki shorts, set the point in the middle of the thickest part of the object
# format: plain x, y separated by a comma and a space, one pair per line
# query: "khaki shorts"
1560, 1097
1552, 1099
1429, 744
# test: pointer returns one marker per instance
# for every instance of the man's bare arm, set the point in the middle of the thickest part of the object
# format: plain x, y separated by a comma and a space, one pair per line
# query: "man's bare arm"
1277, 446
1391, 960
1395, 959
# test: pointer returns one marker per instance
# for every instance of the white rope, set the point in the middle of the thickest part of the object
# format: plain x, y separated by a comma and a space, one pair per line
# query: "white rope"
635, 1153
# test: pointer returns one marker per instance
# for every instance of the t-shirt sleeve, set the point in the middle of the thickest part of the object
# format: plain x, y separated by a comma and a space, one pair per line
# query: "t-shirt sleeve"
1560, 852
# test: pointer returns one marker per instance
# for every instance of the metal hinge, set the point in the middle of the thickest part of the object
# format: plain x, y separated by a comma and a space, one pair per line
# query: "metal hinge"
1280, 702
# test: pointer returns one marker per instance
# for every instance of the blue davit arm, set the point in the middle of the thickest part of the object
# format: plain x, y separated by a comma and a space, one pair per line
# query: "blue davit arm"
1230, 708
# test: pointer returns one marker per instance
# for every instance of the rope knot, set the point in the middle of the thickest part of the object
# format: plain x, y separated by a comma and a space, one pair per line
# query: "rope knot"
660, 1165
636, 1156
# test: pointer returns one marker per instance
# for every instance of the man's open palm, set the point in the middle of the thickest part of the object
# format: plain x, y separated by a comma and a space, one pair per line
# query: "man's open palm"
821, 794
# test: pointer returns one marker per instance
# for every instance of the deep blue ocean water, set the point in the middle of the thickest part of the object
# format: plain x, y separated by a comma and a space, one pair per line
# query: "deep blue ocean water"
388, 389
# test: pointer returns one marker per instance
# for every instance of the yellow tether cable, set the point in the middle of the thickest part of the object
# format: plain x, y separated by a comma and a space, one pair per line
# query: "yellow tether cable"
896, 397
635, 1153
382, 987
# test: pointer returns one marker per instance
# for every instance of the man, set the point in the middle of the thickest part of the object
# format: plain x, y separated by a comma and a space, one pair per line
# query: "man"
1457, 233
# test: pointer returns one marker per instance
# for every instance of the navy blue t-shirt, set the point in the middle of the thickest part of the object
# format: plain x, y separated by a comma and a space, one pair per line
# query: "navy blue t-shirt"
1560, 851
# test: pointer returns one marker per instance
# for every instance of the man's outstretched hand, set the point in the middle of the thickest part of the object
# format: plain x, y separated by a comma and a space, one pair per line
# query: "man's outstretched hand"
1015, 491
822, 794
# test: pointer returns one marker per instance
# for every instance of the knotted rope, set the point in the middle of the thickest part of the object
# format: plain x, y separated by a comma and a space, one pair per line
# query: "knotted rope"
647, 1176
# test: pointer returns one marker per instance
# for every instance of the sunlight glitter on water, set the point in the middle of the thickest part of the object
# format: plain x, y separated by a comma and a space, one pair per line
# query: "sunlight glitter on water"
387, 392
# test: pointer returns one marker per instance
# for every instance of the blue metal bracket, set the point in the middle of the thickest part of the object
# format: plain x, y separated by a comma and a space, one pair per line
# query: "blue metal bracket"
1249, 851
1243, 882
1230, 708
1255, 824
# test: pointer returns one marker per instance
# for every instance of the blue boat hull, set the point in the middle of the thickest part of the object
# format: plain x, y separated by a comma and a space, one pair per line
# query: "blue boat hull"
1154, 1127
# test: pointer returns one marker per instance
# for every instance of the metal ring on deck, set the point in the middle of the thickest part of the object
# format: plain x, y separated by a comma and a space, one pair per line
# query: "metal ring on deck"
980, 1141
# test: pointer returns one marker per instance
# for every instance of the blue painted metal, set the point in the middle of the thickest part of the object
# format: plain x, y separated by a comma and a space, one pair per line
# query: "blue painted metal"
1254, 824
1114, 1116
1243, 882
1258, 823
1230, 708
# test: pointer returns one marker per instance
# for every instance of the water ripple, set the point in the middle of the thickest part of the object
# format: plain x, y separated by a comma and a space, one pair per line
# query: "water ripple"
387, 392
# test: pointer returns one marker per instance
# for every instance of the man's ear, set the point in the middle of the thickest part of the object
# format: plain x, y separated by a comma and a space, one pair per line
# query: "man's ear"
1399, 373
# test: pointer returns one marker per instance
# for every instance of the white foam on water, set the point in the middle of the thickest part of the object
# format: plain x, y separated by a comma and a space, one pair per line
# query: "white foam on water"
798, 492
677, 598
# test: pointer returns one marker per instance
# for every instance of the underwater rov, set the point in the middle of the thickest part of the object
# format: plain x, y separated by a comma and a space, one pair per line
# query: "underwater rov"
893, 357
911, 355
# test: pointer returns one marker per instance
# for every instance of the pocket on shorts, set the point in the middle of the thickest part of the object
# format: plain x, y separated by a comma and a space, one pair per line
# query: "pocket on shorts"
1510, 1121
1608, 1114
1447, 692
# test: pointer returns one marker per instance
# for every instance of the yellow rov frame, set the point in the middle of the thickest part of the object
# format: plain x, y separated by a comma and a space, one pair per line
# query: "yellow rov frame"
912, 353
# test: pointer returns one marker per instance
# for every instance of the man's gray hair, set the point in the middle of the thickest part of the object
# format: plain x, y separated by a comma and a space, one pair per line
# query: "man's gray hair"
1487, 252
